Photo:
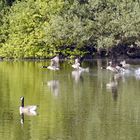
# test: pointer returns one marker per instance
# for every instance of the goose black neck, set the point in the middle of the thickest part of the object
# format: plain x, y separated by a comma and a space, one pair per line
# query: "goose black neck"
22, 102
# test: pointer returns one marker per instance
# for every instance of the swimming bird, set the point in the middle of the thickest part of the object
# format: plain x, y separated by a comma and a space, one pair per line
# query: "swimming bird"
28, 110
120, 68
116, 68
77, 66
54, 65
112, 68
124, 64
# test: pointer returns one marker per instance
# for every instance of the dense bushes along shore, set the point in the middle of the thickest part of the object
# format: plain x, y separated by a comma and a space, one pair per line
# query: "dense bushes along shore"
42, 28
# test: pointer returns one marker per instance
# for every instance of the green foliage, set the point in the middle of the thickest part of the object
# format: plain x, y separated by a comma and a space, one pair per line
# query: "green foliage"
26, 30
41, 28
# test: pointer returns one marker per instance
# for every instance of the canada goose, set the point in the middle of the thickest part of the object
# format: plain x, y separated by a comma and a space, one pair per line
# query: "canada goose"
124, 64
120, 68
76, 66
56, 60
54, 65
111, 67
115, 68
29, 110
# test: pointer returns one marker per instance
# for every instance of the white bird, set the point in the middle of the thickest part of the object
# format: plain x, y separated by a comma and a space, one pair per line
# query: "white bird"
124, 64
76, 66
111, 67
115, 68
56, 60
120, 68
54, 65
28, 110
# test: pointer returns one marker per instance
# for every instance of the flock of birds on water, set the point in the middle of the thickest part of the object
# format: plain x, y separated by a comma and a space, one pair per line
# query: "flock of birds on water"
118, 70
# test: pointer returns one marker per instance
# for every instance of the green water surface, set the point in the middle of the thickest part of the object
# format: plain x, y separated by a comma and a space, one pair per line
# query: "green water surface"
72, 105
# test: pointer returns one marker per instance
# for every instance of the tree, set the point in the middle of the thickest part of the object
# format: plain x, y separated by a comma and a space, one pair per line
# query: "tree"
42, 28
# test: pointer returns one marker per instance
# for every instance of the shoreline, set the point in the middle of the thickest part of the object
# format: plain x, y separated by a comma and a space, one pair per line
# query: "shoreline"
119, 52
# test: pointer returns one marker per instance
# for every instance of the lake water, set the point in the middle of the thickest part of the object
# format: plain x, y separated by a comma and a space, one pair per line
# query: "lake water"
72, 105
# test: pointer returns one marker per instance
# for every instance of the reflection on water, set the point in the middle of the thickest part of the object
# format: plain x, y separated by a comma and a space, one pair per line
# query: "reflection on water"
112, 86
90, 105
31, 113
22, 118
54, 86
77, 75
